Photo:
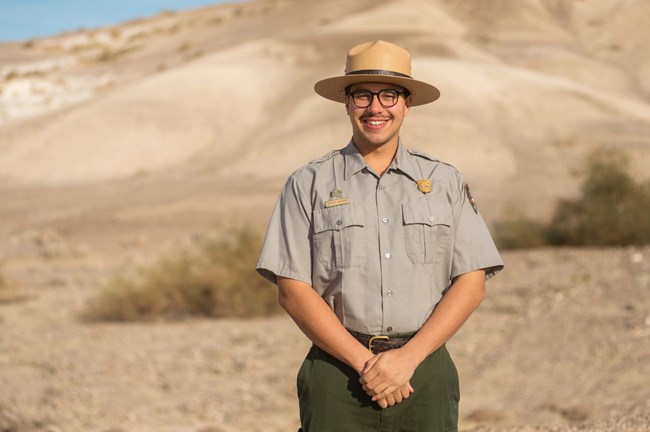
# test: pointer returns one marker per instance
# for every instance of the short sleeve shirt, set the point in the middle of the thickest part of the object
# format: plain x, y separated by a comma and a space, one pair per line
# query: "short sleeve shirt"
379, 250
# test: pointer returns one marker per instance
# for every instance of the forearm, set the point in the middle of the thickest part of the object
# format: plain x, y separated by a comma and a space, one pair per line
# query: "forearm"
319, 323
455, 307
392, 369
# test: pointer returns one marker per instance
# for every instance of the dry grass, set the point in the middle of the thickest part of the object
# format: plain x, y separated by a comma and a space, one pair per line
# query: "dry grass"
214, 278
9, 293
109, 54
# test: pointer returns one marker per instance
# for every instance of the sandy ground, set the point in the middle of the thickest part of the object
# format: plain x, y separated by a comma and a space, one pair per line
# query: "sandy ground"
561, 343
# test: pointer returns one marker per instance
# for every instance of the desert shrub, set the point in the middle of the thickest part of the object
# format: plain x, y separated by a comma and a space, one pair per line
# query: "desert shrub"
612, 209
214, 278
519, 232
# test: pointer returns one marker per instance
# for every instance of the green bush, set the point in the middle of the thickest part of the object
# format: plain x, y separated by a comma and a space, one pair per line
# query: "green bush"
519, 232
611, 210
214, 278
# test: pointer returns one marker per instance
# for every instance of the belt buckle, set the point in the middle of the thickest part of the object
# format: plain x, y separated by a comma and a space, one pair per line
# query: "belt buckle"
374, 338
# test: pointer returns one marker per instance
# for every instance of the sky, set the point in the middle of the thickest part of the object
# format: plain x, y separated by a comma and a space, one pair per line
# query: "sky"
27, 19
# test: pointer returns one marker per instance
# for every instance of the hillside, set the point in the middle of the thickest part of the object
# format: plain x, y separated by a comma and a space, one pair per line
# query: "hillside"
528, 89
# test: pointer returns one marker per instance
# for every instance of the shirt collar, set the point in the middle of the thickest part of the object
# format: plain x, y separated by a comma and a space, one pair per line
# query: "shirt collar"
405, 163
354, 162
402, 161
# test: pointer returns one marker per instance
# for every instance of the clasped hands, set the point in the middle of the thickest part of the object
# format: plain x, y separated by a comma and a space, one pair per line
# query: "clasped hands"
386, 377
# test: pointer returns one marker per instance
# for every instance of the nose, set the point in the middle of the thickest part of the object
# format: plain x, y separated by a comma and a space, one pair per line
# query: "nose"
375, 106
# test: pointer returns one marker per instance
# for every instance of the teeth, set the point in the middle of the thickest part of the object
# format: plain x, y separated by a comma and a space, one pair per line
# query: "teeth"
376, 122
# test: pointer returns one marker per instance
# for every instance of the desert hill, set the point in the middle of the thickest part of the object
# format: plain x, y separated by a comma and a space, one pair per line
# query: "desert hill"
528, 89
118, 144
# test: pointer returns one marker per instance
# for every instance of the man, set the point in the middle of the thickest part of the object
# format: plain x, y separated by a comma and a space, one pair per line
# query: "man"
380, 255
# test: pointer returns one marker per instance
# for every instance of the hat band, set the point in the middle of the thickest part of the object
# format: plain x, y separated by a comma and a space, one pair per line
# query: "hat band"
378, 72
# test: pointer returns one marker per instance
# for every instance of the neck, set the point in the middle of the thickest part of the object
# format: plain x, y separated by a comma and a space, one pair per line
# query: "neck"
379, 158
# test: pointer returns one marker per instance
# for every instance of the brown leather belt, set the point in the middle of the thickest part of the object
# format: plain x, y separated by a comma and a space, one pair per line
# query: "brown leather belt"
377, 344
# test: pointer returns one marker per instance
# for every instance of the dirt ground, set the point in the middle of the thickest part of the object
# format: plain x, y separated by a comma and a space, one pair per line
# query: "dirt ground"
560, 344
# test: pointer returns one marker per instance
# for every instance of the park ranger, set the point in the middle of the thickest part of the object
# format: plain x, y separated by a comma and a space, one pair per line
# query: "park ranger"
380, 254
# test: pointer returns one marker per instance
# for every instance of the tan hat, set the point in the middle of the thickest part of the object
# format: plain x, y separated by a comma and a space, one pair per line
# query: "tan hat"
377, 61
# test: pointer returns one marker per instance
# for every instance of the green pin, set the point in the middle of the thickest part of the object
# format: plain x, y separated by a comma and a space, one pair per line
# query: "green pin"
336, 193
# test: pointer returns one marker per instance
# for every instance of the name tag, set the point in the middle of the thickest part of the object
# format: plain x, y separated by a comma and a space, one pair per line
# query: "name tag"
337, 202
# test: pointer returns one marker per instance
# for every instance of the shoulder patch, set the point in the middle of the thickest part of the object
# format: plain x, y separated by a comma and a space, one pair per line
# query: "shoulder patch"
470, 198
326, 157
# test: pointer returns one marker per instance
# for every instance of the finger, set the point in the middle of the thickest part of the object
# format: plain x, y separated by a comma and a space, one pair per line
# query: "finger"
398, 397
390, 400
404, 392
382, 403
385, 392
375, 388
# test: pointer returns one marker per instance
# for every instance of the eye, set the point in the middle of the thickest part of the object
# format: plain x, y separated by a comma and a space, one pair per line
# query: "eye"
389, 96
362, 95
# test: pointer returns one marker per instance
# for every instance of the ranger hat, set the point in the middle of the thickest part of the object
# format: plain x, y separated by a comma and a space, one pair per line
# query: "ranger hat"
377, 61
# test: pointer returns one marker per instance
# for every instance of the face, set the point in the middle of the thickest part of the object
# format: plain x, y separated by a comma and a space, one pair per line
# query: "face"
375, 125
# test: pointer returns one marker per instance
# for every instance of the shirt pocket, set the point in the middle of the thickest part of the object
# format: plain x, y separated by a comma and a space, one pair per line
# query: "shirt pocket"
427, 230
338, 236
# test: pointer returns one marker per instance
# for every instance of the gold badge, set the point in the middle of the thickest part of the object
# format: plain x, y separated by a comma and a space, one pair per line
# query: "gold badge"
425, 185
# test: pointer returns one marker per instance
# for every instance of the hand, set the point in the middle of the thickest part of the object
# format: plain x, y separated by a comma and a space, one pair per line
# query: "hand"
387, 373
403, 393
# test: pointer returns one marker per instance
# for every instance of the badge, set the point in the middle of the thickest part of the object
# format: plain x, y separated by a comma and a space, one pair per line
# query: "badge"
425, 185
337, 199
470, 198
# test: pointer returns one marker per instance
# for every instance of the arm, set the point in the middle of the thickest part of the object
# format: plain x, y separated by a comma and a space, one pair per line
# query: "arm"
319, 323
392, 369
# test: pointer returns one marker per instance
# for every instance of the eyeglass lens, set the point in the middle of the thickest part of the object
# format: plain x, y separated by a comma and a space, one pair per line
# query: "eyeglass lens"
363, 98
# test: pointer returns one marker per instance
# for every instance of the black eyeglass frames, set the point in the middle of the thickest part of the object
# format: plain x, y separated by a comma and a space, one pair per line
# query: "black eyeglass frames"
387, 97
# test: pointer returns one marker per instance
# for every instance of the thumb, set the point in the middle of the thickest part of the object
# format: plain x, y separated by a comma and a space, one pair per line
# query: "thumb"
370, 363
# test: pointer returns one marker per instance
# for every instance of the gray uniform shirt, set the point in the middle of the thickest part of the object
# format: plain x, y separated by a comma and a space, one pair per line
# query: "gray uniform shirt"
383, 258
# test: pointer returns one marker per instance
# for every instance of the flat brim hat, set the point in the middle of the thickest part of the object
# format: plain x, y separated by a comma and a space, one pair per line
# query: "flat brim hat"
377, 61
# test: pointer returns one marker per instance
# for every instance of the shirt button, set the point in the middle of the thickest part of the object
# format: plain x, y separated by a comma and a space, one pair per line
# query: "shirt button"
387, 255
390, 329
431, 218
385, 220
381, 187
389, 293
339, 222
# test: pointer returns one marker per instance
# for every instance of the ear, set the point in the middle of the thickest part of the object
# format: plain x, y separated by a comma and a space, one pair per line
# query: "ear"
347, 104
407, 105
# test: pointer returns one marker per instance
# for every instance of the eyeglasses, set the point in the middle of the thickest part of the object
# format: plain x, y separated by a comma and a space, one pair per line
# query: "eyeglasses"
387, 97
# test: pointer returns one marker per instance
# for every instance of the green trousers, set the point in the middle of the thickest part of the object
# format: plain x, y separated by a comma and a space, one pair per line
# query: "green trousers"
332, 400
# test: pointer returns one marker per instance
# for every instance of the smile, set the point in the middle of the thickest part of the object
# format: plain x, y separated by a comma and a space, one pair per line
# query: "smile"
375, 123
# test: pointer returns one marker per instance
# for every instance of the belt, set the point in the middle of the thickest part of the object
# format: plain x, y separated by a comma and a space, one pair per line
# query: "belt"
377, 344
